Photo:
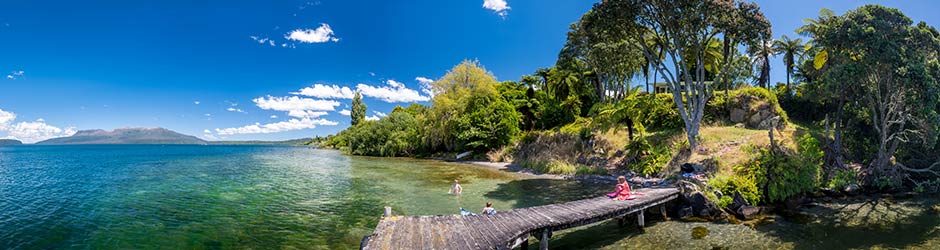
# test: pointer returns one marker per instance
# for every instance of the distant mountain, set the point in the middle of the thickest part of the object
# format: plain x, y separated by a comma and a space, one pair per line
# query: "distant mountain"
10, 142
126, 136
294, 142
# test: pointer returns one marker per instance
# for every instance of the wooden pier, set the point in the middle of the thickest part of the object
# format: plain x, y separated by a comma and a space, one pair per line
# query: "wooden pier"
508, 229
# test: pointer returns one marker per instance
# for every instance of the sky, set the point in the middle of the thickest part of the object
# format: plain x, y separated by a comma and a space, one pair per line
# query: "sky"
276, 70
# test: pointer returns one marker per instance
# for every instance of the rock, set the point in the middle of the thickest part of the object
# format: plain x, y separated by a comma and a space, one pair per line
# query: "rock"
935, 209
701, 206
738, 201
765, 113
737, 115
748, 212
685, 212
699, 232
851, 188
754, 121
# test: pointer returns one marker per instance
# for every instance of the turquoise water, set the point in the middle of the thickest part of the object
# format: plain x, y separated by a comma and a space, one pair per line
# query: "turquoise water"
275, 197
233, 197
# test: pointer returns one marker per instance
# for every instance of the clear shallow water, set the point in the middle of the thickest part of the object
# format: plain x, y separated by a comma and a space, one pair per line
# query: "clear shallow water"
232, 197
271, 197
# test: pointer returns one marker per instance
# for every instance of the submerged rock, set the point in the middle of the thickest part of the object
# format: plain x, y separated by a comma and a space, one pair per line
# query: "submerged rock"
699, 232
748, 212
851, 189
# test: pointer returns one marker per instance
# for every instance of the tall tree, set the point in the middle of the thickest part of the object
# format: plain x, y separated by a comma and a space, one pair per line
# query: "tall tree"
358, 112
888, 59
761, 54
684, 29
789, 48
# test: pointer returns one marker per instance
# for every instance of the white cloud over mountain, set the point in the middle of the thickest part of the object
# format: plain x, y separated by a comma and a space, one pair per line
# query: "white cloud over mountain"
30, 132
322, 34
292, 124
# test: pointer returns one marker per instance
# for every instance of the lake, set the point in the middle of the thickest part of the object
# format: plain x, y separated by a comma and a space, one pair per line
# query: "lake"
278, 197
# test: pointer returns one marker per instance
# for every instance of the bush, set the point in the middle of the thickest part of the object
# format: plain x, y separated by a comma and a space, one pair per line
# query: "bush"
580, 127
647, 158
842, 178
782, 174
660, 112
728, 185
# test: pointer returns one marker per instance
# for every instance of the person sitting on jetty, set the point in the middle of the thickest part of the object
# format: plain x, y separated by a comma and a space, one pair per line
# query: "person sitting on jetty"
623, 190
489, 210
456, 189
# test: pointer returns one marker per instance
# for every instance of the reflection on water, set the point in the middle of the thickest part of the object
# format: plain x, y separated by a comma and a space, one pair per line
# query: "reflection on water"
269, 197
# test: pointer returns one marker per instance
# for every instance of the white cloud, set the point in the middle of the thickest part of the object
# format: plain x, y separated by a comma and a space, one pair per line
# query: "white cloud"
233, 109
426, 85
206, 131
372, 73
373, 118
345, 112
380, 114
292, 124
273, 117
394, 92
326, 91
30, 132
15, 74
294, 103
305, 113
499, 6
320, 35
196, 102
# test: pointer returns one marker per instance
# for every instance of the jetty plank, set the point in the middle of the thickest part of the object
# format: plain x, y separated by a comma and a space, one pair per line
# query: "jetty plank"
501, 230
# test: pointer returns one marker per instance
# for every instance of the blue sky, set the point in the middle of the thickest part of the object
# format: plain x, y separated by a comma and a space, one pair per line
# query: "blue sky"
69, 66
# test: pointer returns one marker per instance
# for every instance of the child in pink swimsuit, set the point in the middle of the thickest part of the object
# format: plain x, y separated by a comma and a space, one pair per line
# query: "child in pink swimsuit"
623, 190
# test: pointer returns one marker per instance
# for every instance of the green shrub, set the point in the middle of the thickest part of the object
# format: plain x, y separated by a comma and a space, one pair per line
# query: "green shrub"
728, 185
649, 159
580, 127
842, 178
782, 175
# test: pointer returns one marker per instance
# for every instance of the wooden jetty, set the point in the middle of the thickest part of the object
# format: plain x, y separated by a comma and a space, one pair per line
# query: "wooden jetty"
507, 229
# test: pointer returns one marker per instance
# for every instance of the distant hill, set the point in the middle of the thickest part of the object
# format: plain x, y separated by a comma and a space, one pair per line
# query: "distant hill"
294, 142
10, 142
126, 136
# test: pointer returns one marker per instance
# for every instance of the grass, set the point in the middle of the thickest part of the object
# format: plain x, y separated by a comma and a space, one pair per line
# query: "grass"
561, 168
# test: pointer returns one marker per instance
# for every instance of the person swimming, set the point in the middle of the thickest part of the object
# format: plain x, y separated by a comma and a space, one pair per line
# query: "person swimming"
455, 189
489, 210
623, 190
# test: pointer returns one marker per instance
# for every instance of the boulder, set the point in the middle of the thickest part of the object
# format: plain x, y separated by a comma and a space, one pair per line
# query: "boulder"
737, 115
738, 201
702, 206
685, 212
851, 188
754, 121
748, 212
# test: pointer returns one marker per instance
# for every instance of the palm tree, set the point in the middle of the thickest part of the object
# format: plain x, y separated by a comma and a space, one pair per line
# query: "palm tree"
761, 54
789, 48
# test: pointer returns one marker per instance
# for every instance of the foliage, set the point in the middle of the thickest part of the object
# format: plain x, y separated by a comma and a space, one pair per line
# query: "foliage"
358, 112
393, 135
468, 112
487, 122
580, 127
730, 184
841, 178
524, 100
691, 25
782, 174
647, 158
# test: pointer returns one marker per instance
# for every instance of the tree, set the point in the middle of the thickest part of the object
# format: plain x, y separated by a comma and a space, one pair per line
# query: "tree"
889, 60
358, 113
761, 54
468, 112
683, 29
789, 48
